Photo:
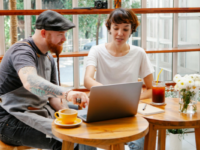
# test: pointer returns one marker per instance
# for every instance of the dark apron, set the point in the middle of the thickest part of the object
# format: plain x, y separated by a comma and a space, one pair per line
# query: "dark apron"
17, 102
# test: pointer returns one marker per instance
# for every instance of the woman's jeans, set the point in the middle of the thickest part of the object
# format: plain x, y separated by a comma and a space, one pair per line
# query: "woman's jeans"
136, 145
16, 133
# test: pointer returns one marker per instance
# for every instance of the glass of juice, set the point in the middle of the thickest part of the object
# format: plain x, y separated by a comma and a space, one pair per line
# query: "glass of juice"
158, 92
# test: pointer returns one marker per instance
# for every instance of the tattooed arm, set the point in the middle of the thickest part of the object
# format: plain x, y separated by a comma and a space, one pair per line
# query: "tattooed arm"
43, 88
38, 85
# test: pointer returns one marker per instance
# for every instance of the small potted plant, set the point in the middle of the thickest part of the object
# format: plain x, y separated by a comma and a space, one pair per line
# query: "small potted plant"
176, 136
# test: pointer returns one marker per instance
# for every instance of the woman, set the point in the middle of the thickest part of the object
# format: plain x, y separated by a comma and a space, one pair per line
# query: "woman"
117, 61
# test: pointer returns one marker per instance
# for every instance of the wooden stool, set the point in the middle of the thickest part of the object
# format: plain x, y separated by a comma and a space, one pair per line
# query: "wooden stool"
4, 146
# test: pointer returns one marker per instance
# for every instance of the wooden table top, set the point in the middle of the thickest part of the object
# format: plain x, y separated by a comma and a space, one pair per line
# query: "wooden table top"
104, 132
172, 115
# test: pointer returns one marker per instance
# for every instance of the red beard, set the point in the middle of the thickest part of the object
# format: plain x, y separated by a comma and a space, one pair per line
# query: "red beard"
54, 48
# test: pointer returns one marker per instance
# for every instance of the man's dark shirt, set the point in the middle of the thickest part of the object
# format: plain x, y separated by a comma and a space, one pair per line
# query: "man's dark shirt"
18, 56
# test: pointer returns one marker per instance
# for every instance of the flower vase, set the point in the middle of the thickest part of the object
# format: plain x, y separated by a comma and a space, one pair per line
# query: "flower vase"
175, 141
188, 102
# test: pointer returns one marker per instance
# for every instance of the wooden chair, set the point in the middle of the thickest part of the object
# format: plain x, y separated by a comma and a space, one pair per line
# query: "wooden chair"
4, 146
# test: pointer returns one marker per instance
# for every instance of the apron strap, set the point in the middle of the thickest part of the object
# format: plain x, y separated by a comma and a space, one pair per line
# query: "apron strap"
38, 55
24, 42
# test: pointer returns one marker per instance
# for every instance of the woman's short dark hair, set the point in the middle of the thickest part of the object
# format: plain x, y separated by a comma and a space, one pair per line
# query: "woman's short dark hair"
122, 15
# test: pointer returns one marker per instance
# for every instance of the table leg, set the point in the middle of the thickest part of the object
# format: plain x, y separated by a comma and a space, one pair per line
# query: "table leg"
150, 138
146, 141
161, 139
117, 147
67, 145
197, 137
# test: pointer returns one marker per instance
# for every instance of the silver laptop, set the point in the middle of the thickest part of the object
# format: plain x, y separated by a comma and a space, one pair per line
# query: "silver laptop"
112, 102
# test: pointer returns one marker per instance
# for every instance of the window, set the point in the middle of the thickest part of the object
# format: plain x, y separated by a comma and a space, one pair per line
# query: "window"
188, 36
25, 27
158, 33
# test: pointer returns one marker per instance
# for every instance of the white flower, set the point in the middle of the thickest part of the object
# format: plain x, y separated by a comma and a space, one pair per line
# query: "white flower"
192, 76
197, 78
176, 77
182, 84
176, 88
194, 89
197, 84
180, 79
186, 76
189, 82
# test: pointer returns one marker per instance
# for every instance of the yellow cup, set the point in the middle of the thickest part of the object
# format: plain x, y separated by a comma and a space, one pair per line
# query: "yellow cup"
67, 116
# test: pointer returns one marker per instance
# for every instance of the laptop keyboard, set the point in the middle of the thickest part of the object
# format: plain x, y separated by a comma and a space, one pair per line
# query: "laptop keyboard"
84, 116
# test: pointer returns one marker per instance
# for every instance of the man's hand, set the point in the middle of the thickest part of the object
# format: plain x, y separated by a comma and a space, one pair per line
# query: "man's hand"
73, 96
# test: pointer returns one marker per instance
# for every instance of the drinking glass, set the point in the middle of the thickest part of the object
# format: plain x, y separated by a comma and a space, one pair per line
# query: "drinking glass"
158, 92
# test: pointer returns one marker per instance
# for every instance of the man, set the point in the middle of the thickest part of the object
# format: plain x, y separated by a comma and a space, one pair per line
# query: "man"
28, 87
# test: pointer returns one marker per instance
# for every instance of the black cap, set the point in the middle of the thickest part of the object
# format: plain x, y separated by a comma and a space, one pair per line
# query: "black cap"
51, 20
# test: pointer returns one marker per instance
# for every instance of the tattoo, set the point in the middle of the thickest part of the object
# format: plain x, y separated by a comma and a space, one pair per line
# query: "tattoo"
28, 69
42, 89
38, 92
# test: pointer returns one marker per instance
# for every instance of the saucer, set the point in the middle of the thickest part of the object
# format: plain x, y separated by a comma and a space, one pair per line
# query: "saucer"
158, 104
77, 122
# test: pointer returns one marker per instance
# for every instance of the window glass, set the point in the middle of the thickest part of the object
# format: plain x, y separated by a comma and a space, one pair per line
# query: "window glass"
159, 36
56, 4
88, 30
159, 3
20, 21
189, 3
66, 71
188, 63
188, 37
135, 38
91, 28
131, 3
88, 26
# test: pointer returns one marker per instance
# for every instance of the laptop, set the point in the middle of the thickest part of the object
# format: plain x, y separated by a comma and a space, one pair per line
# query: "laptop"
112, 102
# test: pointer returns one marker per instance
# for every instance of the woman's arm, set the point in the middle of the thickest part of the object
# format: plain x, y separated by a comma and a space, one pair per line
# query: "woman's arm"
148, 82
89, 78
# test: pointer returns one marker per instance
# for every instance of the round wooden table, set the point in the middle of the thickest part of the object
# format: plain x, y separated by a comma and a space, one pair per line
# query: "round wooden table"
171, 119
110, 134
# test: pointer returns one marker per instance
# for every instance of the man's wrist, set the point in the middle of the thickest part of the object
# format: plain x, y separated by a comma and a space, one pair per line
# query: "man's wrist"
66, 94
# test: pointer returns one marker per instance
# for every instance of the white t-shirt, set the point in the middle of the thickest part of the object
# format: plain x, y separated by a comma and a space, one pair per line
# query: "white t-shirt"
124, 69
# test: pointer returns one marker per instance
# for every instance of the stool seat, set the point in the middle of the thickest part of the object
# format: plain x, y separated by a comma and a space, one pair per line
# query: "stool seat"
4, 146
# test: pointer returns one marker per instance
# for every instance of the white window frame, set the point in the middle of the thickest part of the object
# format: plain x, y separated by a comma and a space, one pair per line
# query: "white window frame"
27, 19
